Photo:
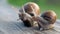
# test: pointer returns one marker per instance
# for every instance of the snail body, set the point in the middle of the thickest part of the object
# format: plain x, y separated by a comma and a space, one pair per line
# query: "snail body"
26, 18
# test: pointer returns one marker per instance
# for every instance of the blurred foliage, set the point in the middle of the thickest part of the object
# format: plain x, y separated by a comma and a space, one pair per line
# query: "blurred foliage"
44, 4
53, 2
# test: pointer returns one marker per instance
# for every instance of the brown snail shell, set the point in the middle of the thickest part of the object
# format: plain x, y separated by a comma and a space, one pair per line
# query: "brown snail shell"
50, 16
32, 8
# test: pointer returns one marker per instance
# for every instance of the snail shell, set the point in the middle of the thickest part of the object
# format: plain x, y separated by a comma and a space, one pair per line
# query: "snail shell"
50, 16
32, 8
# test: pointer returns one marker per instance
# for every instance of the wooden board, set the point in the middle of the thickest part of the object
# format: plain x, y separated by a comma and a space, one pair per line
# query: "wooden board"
15, 27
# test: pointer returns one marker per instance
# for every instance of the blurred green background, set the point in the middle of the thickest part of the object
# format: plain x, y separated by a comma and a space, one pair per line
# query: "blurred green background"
44, 5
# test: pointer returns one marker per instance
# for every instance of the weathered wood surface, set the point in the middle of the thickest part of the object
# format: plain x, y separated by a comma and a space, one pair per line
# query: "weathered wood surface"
14, 27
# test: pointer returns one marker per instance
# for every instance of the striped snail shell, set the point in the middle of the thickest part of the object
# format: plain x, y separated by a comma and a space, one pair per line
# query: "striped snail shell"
32, 8
50, 16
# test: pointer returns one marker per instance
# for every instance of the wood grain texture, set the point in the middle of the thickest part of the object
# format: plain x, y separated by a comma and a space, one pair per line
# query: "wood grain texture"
15, 27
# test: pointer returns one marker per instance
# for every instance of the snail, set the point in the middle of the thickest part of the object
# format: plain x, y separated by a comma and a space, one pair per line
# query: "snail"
47, 20
27, 12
